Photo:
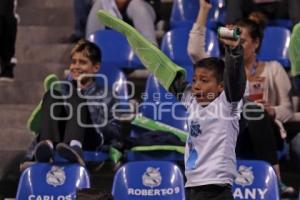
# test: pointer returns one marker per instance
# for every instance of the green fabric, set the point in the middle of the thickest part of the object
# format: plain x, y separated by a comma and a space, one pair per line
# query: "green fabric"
33, 121
294, 50
179, 149
157, 62
49, 80
115, 155
152, 125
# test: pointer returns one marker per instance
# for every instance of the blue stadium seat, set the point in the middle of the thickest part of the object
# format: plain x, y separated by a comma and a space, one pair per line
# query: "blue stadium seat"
151, 180
185, 13
174, 45
162, 106
48, 181
275, 45
116, 82
116, 51
256, 180
286, 23
158, 96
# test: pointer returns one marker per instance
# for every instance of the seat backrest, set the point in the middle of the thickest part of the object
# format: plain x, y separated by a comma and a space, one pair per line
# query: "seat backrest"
48, 181
116, 51
174, 45
116, 81
255, 180
275, 45
151, 180
286, 23
187, 11
160, 105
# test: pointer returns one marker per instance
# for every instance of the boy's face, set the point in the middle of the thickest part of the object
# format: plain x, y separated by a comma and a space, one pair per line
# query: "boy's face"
205, 86
80, 64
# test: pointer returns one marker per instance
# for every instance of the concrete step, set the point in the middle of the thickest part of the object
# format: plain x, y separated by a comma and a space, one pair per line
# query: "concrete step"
43, 53
17, 117
38, 71
20, 92
42, 34
46, 16
15, 139
45, 4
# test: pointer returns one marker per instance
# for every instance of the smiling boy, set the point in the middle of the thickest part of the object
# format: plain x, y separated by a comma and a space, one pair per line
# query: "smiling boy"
71, 118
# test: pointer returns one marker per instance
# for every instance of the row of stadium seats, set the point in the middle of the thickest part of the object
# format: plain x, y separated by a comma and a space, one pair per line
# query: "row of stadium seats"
60, 180
184, 13
118, 53
143, 180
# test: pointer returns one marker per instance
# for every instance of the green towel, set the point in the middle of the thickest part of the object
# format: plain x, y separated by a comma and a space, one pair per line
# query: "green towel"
179, 149
294, 50
115, 155
152, 125
33, 121
157, 62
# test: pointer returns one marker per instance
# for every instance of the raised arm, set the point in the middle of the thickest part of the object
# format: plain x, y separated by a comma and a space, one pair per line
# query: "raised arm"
283, 110
196, 43
234, 73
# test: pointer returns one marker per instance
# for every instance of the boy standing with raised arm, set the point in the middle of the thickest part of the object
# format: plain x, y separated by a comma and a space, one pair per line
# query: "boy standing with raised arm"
214, 104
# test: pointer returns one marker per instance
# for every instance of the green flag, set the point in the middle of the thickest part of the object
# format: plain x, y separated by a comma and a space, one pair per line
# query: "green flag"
153, 125
152, 58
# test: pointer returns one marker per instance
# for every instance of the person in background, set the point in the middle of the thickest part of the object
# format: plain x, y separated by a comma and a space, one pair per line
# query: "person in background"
264, 136
259, 17
8, 33
294, 57
81, 11
273, 9
294, 52
138, 13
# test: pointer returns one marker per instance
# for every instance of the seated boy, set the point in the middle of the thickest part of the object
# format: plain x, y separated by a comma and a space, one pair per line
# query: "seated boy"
214, 103
79, 116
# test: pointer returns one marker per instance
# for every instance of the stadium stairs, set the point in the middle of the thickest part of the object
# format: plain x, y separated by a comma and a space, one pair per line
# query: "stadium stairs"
39, 51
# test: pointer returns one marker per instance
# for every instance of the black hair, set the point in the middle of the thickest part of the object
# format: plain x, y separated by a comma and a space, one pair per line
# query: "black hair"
89, 49
255, 30
214, 64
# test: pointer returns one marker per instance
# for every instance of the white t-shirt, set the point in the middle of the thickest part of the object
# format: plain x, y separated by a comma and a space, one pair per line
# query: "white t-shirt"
210, 149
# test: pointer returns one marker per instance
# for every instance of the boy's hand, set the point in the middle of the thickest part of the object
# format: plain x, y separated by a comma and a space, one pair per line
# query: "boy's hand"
204, 5
230, 42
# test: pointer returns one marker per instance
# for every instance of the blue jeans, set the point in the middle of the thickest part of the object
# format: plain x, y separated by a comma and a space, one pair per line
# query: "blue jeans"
81, 13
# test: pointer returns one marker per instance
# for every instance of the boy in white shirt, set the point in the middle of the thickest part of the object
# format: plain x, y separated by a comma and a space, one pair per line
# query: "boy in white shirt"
214, 104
